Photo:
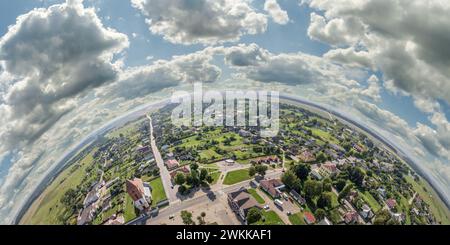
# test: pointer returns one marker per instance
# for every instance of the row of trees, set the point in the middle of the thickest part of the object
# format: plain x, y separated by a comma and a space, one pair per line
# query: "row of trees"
195, 178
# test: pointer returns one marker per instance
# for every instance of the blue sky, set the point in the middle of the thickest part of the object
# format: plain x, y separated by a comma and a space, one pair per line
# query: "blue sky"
382, 71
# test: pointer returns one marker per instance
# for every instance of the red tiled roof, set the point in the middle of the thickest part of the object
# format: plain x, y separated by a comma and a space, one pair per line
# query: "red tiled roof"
309, 217
135, 188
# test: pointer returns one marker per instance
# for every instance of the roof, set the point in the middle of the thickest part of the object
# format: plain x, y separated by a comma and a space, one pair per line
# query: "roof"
330, 166
309, 217
244, 200
391, 202
172, 163
135, 189
350, 217
271, 186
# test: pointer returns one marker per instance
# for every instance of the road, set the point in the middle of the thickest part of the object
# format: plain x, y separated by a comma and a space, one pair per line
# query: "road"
218, 192
165, 174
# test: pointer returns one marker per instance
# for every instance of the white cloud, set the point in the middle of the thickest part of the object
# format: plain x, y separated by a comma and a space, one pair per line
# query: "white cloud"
406, 40
278, 15
203, 21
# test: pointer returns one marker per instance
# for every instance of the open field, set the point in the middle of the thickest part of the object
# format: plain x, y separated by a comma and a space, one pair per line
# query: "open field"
158, 193
270, 218
47, 208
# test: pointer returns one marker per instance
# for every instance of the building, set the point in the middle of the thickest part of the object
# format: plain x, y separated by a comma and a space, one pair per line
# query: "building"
241, 202
328, 169
92, 197
266, 160
351, 217
297, 197
309, 218
172, 164
140, 193
325, 221
307, 156
391, 203
272, 186
86, 215
366, 212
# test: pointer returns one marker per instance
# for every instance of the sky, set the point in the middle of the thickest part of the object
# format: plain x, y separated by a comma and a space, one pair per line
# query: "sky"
69, 67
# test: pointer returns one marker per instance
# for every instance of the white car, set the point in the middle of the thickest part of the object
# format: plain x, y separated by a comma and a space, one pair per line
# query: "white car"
266, 207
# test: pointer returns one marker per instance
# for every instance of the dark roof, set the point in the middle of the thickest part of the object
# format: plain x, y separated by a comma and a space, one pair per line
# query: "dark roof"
244, 200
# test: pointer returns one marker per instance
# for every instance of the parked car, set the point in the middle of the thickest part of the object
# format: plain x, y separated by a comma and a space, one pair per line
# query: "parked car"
278, 202
266, 207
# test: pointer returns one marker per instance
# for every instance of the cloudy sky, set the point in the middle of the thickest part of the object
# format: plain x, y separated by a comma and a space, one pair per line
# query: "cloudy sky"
69, 67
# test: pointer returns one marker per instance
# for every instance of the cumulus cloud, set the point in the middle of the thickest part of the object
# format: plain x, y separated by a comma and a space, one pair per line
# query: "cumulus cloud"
278, 15
258, 64
408, 46
140, 81
51, 56
203, 21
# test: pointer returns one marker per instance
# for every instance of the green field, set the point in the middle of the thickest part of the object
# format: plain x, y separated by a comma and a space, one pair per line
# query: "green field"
236, 176
158, 193
47, 208
255, 195
215, 176
129, 210
297, 219
367, 197
270, 218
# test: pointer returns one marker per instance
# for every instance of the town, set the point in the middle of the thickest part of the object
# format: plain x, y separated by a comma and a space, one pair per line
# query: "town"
317, 170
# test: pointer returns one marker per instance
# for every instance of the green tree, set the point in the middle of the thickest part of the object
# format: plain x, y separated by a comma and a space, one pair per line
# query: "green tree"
194, 167
254, 215
320, 213
312, 188
302, 171
340, 184
325, 201
252, 171
289, 179
187, 218
203, 174
180, 179
261, 169
356, 175
344, 193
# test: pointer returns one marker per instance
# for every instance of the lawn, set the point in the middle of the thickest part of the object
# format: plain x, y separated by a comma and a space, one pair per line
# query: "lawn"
129, 210
236, 176
215, 176
297, 219
158, 193
270, 218
47, 208
324, 135
255, 195
374, 205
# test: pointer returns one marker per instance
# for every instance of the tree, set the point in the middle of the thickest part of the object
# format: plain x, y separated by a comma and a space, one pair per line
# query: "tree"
252, 171
203, 174
209, 179
302, 171
356, 175
180, 179
382, 218
312, 188
254, 215
289, 179
194, 167
327, 186
325, 201
344, 193
320, 213
261, 170
187, 218
321, 157
182, 189
340, 184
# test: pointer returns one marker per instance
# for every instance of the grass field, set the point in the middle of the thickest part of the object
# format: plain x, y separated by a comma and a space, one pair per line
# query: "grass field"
297, 219
255, 195
236, 176
129, 210
437, 206
215, 176
158, 193
47, 208
270, 218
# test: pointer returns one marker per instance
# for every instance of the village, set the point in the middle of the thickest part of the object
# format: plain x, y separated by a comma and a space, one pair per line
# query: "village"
316, 171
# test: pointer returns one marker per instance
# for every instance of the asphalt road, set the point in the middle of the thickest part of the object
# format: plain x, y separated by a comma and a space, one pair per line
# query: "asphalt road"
165, 174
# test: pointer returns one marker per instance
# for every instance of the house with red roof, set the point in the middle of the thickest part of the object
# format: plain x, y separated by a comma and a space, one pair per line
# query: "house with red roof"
140, 193
309, 218
391, 203
172, 164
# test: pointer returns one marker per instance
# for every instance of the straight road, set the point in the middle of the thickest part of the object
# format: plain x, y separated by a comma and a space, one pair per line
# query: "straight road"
165, 174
